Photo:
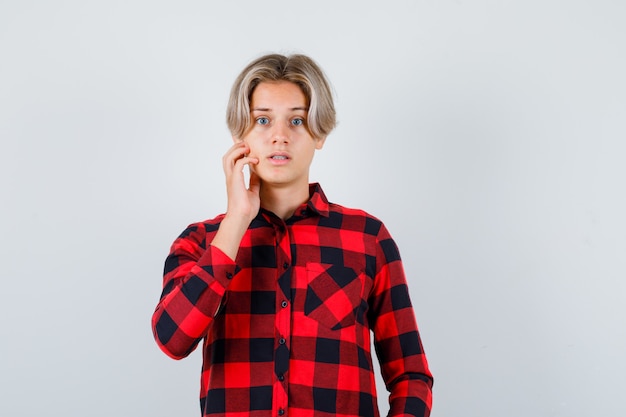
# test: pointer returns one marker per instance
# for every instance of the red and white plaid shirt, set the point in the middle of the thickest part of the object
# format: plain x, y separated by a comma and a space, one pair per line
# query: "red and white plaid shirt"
286, 326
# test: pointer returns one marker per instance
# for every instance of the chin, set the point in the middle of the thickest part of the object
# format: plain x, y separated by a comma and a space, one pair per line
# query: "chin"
270, 177
277, 181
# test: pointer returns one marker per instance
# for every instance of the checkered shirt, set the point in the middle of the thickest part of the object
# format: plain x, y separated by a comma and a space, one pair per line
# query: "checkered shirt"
285, 328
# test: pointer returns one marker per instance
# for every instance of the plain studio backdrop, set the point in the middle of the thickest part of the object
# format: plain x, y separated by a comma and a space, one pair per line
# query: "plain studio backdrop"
489, 136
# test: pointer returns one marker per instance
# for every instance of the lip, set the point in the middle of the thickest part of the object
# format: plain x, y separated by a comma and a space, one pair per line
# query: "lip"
278, 162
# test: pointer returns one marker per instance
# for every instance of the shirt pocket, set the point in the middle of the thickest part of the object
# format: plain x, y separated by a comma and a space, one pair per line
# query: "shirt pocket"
333, 294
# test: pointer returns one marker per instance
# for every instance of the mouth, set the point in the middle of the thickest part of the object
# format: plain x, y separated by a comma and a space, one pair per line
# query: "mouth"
279, 158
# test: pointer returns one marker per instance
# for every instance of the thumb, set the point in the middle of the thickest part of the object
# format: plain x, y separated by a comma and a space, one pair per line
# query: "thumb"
255, 182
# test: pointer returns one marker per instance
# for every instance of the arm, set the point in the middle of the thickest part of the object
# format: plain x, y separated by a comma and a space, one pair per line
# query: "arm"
194, 282
197, 272
396, 337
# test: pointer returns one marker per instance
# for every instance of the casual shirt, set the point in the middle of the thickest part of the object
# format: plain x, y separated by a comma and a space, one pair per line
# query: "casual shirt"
285, 327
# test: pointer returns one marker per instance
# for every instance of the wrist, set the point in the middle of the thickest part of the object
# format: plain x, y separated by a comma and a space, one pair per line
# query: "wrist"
235, 223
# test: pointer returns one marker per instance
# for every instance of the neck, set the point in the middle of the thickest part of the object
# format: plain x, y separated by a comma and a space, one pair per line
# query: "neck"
283, 201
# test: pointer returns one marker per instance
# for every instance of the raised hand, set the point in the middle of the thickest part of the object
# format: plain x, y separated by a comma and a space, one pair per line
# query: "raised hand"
243, 202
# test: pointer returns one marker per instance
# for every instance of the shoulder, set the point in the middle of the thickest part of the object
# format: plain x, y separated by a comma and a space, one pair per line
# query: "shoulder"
357, 219
368, 225
199, 230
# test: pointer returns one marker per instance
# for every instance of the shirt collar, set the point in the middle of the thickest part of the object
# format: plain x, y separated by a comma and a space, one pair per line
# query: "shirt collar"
318, 202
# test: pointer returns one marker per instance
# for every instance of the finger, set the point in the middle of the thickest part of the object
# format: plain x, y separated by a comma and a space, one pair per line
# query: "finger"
236, 151
234, 154
246, 160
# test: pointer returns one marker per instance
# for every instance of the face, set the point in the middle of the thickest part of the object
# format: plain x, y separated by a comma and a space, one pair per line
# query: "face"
279, 136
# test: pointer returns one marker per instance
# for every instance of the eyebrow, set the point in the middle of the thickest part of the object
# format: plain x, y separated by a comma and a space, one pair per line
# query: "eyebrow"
268, 109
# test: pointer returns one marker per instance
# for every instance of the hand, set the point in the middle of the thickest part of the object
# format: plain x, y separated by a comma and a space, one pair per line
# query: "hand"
243, 202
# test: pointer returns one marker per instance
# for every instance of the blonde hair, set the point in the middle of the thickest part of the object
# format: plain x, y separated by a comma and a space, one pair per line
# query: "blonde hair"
298, 69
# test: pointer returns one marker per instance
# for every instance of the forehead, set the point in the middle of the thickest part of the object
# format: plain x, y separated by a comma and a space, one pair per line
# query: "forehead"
274, 95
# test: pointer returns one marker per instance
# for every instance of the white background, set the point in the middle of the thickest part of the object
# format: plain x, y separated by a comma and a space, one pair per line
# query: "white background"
489, 136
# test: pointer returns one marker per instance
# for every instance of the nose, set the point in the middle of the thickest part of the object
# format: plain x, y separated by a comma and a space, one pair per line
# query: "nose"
280, 133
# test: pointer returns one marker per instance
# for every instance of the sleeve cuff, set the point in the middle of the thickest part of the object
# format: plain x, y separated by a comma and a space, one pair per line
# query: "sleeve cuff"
217, 265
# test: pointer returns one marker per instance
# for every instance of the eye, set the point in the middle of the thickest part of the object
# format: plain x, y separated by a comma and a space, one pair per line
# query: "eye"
263, 121
297, 121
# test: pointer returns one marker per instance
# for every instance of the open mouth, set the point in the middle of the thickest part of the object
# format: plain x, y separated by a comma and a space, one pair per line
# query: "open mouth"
279, 157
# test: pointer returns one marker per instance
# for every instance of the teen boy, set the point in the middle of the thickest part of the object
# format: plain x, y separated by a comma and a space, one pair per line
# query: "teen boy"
285, 288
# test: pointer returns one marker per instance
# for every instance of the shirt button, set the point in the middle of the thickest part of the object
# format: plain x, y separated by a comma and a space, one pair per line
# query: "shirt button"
229, 275
281, 377
282, 340
281, 411
284, 304
286, 265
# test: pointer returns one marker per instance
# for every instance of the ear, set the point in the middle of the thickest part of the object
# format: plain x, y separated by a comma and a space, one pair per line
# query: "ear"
319, 143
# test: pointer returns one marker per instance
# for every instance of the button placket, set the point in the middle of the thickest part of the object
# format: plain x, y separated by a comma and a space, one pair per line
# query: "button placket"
283, 318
